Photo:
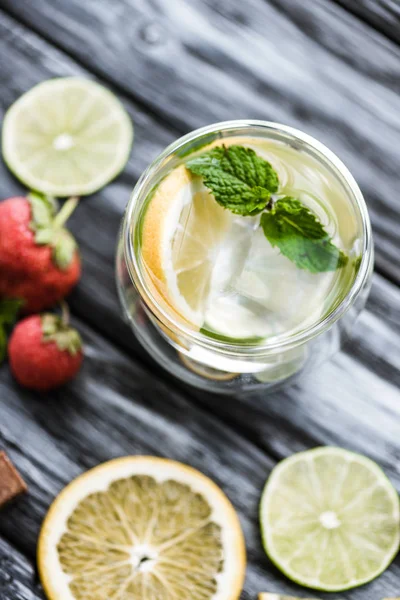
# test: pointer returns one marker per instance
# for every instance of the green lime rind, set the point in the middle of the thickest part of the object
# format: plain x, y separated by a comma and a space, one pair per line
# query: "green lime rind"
249, 341
66, 136
381, 483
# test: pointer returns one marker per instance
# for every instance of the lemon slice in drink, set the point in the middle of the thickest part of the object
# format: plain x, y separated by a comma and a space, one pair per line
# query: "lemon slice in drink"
183, 229
66, 136
142, 528
330, 519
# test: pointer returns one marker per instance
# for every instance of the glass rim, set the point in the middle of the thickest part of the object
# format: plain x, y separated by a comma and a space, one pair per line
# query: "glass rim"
295, 339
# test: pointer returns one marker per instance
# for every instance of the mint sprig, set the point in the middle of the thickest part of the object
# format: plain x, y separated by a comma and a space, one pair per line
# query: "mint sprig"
239, 179
243, 182
301, 237
8, 314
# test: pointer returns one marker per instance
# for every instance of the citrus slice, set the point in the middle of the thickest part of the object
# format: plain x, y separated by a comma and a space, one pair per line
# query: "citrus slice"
205, 370
330, 519
66, 136
183, 229
142, 528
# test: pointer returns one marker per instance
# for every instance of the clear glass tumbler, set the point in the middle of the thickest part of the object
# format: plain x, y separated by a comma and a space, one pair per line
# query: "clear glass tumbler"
218, 365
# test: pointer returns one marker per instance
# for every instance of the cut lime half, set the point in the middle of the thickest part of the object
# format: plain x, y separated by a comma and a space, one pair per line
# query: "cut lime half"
330, 519
66, 136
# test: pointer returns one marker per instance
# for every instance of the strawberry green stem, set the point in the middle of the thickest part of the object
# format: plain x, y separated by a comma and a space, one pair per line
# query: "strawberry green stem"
62, 217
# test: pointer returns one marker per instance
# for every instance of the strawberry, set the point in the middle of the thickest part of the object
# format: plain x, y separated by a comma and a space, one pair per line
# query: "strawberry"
39, 259
44, 352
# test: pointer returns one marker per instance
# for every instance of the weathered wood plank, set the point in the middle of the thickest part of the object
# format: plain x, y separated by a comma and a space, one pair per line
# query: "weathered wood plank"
115, 408
96, 222
96, 225
351, 401
195, 62
383, 15
18, 580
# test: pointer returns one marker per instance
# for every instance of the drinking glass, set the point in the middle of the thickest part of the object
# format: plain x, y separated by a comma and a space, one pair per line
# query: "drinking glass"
219, 365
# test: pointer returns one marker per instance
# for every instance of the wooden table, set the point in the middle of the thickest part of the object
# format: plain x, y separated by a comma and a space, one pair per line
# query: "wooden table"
331, 68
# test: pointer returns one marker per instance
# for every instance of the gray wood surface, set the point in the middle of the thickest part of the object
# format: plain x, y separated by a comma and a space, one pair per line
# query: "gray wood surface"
198, 61
383, 15
177, 65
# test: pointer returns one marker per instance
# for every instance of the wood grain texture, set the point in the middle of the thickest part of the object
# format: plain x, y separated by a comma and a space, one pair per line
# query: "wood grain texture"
18, 579
352, 400
117, 405
194, 62
383, 15
116, 408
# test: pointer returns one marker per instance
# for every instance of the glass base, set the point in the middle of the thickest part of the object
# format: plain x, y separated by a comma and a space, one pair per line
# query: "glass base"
229, 374
203, 376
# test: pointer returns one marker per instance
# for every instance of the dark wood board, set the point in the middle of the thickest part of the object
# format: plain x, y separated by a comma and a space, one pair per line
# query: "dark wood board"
383, 15
162, 58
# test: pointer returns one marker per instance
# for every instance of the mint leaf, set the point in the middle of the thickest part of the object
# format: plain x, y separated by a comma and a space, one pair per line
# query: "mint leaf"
8, 314
240, 180
301, 237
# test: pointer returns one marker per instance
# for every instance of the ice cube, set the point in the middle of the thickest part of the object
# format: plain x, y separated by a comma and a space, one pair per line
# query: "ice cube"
292, 296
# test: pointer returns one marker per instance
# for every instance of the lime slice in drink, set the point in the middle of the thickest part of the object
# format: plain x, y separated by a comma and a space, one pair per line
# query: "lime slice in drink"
66, 136
143, 528
330, 519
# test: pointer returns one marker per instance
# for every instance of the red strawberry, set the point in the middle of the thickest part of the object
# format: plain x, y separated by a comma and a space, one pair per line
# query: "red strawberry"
44, 352
39, 259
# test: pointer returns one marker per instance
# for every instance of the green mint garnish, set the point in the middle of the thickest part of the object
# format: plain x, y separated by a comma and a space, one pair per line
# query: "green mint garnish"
8, 314
301, 237
240, 180
243, 182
